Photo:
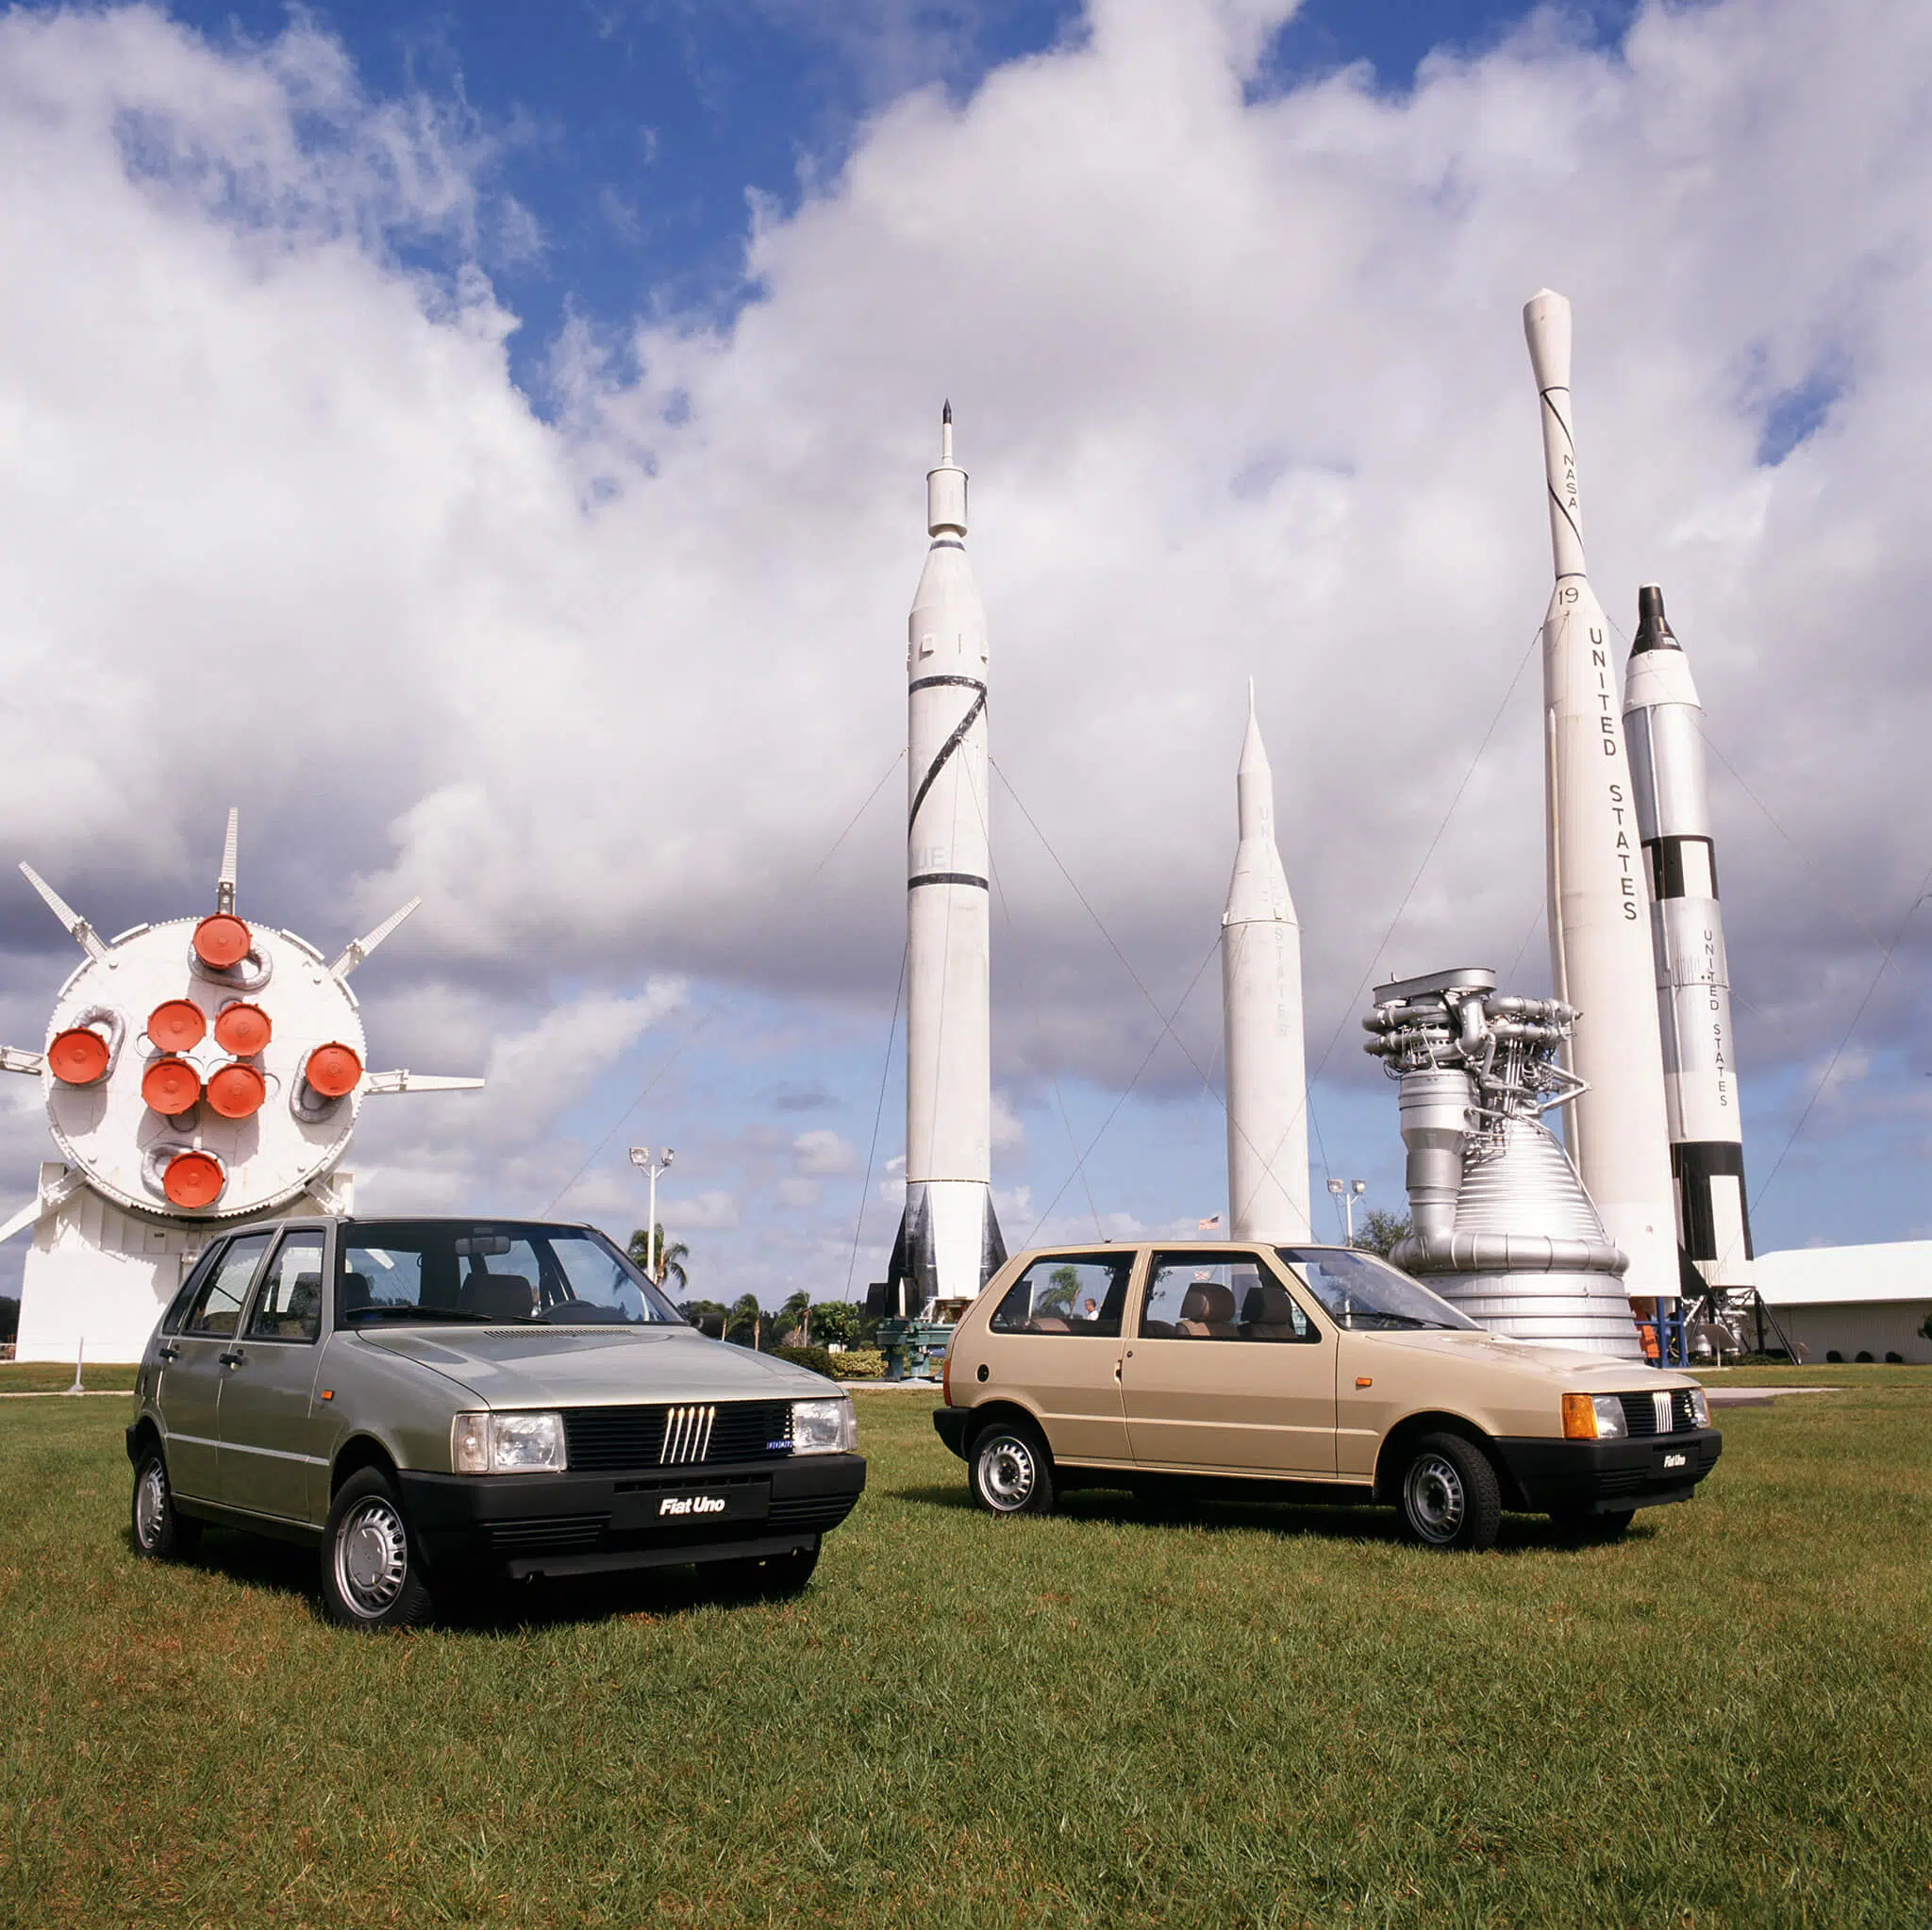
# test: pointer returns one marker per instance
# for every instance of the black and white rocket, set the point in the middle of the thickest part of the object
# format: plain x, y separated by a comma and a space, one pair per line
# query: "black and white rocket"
1598, 897
1261, 1014
1662, 719
949, 1241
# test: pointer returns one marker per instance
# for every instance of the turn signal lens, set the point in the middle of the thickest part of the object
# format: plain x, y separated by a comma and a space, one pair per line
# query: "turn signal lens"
1579, 1418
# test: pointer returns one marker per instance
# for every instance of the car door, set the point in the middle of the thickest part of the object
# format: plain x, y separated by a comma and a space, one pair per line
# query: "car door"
270, 1460
1226, 1369
1055, 1339
192, 1366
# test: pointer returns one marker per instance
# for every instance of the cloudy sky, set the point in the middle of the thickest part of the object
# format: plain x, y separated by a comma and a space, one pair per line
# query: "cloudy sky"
486, 445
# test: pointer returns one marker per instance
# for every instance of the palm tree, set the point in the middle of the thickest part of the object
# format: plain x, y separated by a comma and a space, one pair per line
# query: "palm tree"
745, 1313
660, 1262
796, 1312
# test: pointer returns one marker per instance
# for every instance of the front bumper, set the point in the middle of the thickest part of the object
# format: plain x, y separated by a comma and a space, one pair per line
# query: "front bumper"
557, 1524
1596, 1477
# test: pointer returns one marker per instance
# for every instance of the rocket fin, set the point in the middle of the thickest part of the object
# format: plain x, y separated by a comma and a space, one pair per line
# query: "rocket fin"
78, 930
225, 884
359, 949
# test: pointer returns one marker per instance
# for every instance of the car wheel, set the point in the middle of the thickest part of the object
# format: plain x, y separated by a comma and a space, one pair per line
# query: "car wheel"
1450, 1497
161, 1532
770, 1578
1583, 1527
1010, 1469
372, 1573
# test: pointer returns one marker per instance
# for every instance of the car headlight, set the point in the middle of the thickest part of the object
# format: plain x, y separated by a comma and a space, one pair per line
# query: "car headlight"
1700, 1407
824, 1428
1594, 1416
507, 1445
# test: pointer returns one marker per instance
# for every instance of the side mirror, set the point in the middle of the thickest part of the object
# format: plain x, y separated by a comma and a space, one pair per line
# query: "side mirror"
710, 1324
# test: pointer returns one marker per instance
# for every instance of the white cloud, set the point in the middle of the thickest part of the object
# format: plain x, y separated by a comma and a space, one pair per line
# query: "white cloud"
800, 1194
1240, 383
709, 1212
821, 1150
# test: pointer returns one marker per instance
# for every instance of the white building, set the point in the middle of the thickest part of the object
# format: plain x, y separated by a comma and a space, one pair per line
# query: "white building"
1853, 1301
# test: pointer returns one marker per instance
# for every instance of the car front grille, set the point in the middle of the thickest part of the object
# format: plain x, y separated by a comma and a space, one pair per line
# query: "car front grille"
546, 1533
1664, 1411
599, 1439
813, 1511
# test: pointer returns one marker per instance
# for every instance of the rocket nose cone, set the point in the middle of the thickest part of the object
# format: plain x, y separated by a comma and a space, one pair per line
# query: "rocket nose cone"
1546, 326
1653, 627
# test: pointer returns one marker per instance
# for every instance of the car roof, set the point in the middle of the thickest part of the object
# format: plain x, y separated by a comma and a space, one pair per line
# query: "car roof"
1178, 1241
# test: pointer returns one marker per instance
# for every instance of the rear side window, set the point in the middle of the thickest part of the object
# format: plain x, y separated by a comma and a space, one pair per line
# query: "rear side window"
217, 1308
1077, 1294
1220, 1296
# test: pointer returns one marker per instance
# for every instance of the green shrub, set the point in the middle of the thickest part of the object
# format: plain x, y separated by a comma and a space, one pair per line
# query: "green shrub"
814, 1358
857, 1363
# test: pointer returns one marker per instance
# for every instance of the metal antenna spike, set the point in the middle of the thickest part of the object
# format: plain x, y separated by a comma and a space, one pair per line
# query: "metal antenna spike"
78, 930
407, 1081
18, 1059
359, 949
225, 885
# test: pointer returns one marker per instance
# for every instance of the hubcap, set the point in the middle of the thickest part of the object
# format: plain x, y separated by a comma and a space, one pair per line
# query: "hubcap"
1007, 1474
1434, 1500
372, 1556
150, 1503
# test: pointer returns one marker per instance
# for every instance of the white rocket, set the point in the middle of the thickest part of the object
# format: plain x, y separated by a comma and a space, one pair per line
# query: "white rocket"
1261, 1014
1693, 985
1599, 903
949, 1241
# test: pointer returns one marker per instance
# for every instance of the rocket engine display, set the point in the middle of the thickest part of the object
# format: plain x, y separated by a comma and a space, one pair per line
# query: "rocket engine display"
1600, 950
1502, 1225
949, 1241
1694, 988
196, 1072
1262, 1017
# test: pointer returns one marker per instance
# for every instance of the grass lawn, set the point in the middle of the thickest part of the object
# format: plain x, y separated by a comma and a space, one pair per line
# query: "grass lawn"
1272, 1717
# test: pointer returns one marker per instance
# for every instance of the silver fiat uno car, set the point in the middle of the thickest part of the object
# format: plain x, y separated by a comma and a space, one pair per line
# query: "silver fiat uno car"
429, 1400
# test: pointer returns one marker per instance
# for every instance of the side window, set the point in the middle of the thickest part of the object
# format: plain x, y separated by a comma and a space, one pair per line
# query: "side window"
216, 1309
191, 1290
289, 1304
1073, 1294
1219, 1296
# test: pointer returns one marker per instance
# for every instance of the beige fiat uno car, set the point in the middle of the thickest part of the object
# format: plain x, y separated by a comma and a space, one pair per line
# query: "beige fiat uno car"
1322, 1370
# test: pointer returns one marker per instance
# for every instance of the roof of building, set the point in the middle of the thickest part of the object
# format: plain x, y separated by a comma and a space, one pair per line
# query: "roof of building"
1846, 1276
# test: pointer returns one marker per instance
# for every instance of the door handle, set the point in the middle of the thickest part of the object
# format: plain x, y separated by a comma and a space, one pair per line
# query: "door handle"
169, 1352
231, 1356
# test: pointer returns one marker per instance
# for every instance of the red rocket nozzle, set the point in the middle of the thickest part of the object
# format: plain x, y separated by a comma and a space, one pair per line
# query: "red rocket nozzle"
242, 1029
176, 1025
171, 1086
193, 1180
333, 1070
77, 1057
236, 1090
222, 940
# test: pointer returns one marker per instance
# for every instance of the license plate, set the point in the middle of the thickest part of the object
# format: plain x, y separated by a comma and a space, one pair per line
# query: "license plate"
698, 1507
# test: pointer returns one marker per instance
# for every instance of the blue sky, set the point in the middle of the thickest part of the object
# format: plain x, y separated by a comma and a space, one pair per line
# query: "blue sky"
533, 402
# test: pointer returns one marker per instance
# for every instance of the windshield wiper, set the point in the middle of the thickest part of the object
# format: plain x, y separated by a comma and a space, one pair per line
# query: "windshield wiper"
437, 1313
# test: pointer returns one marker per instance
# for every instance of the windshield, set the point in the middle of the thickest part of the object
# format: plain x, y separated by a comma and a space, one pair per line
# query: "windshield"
1360, 1291
390, 1271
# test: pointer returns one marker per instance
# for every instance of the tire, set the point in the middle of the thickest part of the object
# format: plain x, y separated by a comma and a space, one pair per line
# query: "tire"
770, 1578
162, 1531
371, 1569
1450, 1497
1593, 1528
1010, 1469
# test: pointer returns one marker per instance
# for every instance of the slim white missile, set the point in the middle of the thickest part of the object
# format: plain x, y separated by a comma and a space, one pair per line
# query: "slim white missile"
949, 1241
1598, 900
1693, 982
1262, 1017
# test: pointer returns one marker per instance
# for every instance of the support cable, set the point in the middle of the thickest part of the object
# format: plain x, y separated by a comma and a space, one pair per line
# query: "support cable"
878, 1114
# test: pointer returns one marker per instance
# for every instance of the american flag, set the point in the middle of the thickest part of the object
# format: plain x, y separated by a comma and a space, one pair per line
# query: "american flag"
1207, 1225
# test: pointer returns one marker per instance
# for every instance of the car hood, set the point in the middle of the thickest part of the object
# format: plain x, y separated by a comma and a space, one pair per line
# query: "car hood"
578, 1366
1581, 1372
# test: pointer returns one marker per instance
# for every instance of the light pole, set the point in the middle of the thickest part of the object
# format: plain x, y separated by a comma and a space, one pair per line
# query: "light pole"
647, 1161
1348, 1191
